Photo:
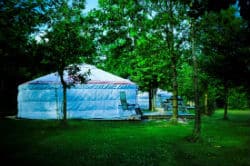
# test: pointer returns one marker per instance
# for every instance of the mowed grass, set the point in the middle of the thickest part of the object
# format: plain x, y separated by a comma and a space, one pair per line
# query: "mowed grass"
132, 143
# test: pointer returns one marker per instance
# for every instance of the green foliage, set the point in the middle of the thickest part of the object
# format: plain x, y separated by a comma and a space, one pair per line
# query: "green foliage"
113, 23
141, 40
67, 40
238, 99
212, 92
150, 65
207, 86
185, 81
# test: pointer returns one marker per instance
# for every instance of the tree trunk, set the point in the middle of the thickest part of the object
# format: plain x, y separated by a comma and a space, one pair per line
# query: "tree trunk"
206, 101
197, 120
152, 99
175, 95
225, 101
64, 103
174, 64
64, 84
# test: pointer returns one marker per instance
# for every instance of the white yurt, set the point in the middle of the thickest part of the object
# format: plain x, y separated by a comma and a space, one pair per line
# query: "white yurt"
98, 98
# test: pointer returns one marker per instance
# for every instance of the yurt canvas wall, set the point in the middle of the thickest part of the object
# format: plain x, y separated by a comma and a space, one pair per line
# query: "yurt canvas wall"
99, 98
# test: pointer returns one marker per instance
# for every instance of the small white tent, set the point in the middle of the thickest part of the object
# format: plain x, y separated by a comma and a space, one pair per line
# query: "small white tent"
99, 98
143, 98
163, 100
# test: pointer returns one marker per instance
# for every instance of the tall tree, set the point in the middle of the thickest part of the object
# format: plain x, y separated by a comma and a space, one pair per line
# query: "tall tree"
150, 65
168, 24
196, 10
130, 28
126, 42
224, 61
66, 42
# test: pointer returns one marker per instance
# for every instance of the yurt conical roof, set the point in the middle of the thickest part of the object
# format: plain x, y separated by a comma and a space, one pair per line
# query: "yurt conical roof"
96, 76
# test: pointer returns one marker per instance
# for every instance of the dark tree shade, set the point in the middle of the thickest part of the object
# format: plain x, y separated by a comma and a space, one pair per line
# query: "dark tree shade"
198, 7
217, 5
245, 9
18, 19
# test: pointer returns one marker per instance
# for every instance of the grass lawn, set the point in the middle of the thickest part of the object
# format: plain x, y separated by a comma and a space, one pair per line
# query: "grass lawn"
131, 143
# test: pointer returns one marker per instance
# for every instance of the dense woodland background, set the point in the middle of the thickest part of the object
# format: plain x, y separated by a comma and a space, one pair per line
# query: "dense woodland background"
199, 50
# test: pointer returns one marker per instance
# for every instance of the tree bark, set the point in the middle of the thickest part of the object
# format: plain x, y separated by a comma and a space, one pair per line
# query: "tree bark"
64, 84
64, 103
225, 101
152, 99
175, 94
197, 120
174, 64
206, 101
